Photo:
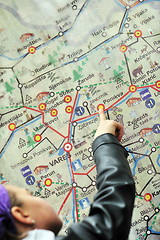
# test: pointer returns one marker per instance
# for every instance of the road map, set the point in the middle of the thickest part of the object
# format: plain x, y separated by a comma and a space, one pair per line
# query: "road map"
60, 61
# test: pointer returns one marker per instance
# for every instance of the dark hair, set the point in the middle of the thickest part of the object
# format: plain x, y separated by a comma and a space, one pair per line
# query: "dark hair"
14, 202
13, 199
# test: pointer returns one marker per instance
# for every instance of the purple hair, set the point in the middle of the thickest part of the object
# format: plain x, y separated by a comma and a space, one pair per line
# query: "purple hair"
6, 218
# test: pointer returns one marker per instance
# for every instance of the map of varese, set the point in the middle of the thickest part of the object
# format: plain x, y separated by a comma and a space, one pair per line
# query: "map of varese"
60, 61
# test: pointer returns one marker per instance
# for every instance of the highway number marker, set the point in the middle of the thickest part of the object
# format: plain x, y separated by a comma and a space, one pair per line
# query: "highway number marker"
147, 197
42, 106
123, 48
138, 33
132, 88
100, 106
158, 84
12, 126
69, 109
67, 147
48, 182
67, 99
54, 112
32, 49
37, 138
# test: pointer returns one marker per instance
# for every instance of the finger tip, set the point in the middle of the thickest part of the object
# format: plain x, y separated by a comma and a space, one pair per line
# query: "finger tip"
101, 110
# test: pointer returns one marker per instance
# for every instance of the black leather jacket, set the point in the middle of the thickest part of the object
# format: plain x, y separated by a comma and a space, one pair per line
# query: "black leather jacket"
110, 214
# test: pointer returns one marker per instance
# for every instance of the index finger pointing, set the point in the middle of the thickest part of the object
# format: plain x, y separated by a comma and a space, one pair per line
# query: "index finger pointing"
102, 114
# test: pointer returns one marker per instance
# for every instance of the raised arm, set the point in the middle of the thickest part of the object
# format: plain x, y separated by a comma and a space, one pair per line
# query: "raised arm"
111, 212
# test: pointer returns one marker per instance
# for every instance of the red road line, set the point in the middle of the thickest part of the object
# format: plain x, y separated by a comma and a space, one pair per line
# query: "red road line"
124, 3
155, 89
73, 180
118, 100
76, 205
80, 173
43, 117
152, 86
91, 169
134, 4
87, 172
85, 117
44, 122
55, 130
74, 105
68, 132
69, 158
65, 200
104, 109
72, 114
33, 109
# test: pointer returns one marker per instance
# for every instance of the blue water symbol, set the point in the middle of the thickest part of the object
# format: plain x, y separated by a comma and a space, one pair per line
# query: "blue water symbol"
61, 152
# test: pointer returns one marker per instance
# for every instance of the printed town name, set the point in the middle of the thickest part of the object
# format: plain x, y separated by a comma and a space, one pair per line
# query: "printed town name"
17, 116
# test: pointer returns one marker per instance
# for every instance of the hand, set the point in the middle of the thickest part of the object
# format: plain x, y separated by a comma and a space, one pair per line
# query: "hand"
108, 126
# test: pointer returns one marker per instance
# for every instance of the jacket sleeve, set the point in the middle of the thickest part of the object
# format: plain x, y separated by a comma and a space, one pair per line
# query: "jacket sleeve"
111, 211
